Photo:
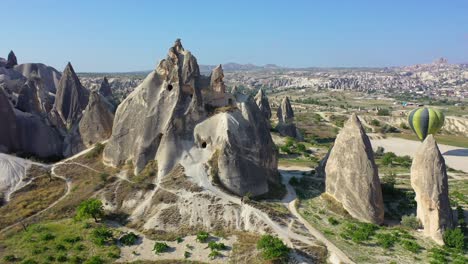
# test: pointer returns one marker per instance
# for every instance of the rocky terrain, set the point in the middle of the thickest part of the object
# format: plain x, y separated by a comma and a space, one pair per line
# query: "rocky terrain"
190, 149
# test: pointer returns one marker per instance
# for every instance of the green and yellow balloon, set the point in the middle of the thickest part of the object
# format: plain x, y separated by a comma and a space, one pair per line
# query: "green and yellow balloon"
425, 121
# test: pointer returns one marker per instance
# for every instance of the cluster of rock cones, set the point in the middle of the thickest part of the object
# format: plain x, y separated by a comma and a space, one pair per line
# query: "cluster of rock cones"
352, 179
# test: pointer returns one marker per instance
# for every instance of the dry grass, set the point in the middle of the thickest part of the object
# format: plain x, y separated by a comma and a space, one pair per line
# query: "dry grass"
34, 197
177, 180
245, 249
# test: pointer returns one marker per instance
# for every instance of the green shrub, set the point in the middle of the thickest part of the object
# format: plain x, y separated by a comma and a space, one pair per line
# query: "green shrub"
214, 254
160, 247
410, 221
9, 258
403, 125
76, 260
438, 255
96, 151
179, 240
47, 237
80, 247
129, 239
386, 240
62, 258
375, 122
60, 247
333, 221
90, 208
202, 236
72, 240
187, 254
454, 238
359, 232
383, 112
216, 246
411, 246
95, 260
388, 182
273, 248
101, 235
388, 158
301, 147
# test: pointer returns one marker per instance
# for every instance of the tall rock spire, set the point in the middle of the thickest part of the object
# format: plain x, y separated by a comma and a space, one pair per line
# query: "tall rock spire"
286, 126
351, 174
71, 99
217, 76
263, 104
105, 89
11, 61
429, 181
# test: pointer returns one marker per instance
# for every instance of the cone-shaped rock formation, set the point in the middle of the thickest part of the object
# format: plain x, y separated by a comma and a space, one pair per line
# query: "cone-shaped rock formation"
105, 89
11, 61
70, 101
351, 174
157, 122
429, 181
96, 123
286, 126
263, 104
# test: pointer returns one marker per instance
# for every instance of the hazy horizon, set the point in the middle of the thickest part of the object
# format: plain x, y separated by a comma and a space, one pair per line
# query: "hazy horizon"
103, 36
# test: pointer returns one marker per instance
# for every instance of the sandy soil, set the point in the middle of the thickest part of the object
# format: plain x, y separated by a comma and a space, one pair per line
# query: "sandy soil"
455, 157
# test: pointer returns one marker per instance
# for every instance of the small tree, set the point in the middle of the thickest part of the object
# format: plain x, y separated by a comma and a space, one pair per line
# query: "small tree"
91, 208
454, 238
273, 248
410, 221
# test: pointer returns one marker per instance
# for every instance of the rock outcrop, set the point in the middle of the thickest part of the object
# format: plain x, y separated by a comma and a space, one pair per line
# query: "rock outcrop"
286, 126
8, 131
96, 123
70, 101
263, 104
11, 61
429, 181
49, 76
351, 174
105, 89
217, 83
33, 98
243, 157
165, 118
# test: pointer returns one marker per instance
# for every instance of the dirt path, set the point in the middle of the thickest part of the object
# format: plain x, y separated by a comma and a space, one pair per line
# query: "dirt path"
68, 183
336, 255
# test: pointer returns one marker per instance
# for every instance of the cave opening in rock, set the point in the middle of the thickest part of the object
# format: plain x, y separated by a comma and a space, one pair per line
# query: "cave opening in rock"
230, 101
203, 145
169, 87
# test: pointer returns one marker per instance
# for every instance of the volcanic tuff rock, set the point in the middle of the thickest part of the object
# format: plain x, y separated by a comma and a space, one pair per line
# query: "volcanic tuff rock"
242, 154
11, 61
262, 101
157, 122
33, 97
8, 140
217, 82
351, 174
96, 123
49, 76
70, 101
286, 126
105, 89
429, 181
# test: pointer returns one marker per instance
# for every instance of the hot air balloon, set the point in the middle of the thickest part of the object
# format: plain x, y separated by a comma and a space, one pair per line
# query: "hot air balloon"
425, 121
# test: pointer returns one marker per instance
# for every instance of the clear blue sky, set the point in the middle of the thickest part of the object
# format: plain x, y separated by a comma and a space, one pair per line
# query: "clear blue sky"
134, 35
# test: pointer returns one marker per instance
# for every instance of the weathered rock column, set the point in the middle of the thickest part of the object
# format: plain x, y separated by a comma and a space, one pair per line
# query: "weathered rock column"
429, 181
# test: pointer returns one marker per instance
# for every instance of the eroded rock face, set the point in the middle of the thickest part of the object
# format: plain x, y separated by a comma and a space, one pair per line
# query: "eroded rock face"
8, 131
286, 126
243, 155
351, 174
49, 76
33, 98
429, 181
105, 89
11, 61
96, 123
217, 82
70, 101
158, 122
263, 104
